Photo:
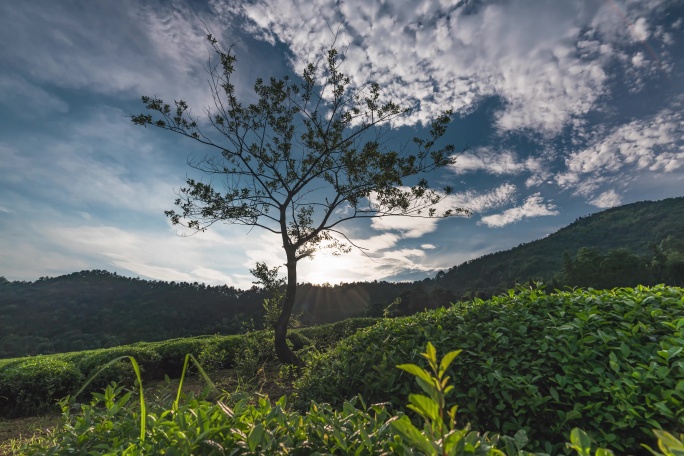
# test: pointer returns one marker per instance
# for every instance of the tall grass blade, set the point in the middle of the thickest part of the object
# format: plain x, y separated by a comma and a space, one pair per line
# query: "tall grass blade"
204, 375
136, 369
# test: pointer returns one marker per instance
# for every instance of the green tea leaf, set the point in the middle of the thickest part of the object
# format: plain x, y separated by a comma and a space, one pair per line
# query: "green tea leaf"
669, 444
447, 360
417, 371
254, 438
413, 435
521, 439
424, 405
580, 442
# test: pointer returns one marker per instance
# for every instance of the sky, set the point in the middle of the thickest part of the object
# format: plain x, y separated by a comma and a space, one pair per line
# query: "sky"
562, 109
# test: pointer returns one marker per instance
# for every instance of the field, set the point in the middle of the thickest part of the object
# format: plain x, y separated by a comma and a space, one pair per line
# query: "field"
537, 370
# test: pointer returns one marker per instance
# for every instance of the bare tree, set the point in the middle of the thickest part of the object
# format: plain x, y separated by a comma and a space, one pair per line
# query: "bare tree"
300, 161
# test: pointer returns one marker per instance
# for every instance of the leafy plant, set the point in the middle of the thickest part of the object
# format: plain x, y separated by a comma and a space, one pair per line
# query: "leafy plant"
439, 435
112, 424
34, 384
610, 361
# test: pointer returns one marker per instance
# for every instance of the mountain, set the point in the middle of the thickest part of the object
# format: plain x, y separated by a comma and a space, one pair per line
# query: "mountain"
642, 229
640, 243
99, 309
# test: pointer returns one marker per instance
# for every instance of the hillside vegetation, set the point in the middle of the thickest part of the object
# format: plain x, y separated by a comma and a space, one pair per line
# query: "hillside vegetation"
608, 361
635, 228
531, 366
97, 309
640, 243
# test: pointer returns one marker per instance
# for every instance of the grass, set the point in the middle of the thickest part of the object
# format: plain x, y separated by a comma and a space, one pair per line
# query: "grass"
19, 431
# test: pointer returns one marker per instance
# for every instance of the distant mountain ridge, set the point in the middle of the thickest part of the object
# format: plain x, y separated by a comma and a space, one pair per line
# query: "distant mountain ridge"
634, 226
95, 309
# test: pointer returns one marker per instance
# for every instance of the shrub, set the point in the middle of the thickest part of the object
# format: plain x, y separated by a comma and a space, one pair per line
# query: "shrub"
324, 337
89, 362
33, 384
609, 361
247, 353
110, 424
113, 424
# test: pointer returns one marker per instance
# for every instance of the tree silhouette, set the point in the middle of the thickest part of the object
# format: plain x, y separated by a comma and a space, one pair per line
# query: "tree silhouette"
303, 159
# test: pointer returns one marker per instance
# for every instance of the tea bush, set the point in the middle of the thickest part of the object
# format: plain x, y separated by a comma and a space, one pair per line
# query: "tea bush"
33, 384
113, 424
323, 337
109, 425
608, 361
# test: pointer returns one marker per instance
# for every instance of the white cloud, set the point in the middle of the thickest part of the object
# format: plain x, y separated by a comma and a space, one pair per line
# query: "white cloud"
104, 161
534, 206
158, 256
495, 162
504, 162
415, 227
640, 29
380, 258
437, 55
128, 48
428, 246
481, 202
653, 144
24, 99
607, 199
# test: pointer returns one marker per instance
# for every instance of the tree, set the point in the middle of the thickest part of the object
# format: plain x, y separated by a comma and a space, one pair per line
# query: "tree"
301, 160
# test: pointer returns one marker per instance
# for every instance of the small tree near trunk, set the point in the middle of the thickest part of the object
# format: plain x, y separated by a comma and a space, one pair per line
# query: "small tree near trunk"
300, 161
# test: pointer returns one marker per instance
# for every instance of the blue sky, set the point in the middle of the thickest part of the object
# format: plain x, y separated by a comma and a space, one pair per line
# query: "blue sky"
567, 107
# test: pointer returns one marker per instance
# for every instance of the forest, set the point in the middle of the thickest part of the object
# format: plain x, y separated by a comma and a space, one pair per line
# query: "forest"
640, 243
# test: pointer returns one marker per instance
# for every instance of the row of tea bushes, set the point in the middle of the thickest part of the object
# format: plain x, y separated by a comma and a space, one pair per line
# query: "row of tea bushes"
34, 384
113, 423
608, 361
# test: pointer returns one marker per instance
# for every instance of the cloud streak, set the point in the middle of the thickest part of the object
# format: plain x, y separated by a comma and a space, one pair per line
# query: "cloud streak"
534, 206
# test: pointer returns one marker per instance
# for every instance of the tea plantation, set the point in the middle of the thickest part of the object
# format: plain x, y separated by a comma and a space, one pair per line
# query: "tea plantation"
610, 362
534, 369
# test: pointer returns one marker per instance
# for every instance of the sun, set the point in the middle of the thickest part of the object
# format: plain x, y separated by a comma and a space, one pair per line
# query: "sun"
328, 268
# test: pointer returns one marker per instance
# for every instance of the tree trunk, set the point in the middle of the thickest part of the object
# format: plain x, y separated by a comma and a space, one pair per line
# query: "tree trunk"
285, 355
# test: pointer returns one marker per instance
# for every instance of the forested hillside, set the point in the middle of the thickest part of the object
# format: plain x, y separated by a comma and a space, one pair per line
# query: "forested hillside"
640, 243
647, 235
98, 309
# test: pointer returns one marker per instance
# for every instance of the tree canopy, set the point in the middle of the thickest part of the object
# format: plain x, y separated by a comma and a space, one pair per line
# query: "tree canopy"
307, 156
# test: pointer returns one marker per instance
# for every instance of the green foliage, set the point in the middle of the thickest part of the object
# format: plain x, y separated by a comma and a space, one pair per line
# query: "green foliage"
95, 309
630, 232
610, 361
31, 385
112, 424
273, 306
324, 337
109, 422
439, 435
668, 444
